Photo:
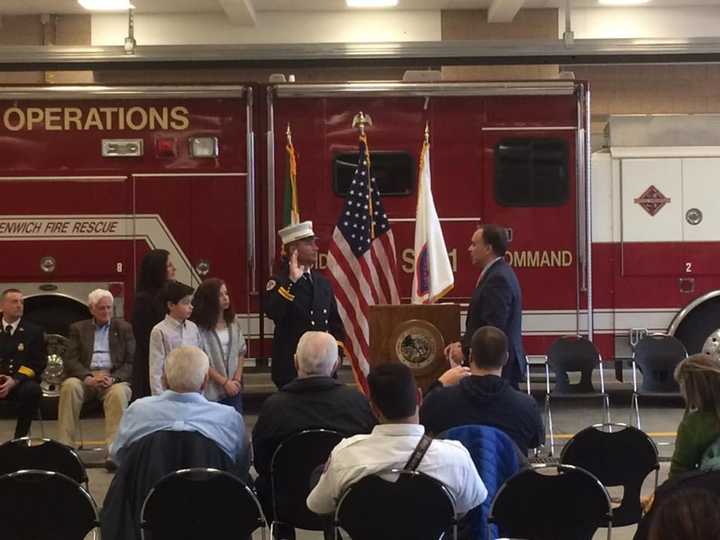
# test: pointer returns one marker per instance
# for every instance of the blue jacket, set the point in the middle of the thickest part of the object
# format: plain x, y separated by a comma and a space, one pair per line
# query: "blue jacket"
496, 458
497, 301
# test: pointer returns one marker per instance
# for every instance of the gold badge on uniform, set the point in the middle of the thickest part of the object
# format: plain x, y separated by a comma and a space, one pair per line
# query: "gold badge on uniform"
270, 285
21, 347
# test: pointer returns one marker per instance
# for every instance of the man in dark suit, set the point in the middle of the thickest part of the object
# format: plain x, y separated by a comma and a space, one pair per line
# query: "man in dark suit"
97, 365
497, 301
22, 360
298, 299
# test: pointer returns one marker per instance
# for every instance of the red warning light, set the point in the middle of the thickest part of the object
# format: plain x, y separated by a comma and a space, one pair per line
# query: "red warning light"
165, 147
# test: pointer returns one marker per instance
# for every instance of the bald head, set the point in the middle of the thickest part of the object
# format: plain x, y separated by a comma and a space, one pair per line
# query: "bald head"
316, 354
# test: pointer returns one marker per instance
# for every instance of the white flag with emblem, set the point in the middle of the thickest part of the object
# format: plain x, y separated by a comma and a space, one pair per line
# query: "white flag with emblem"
433, 277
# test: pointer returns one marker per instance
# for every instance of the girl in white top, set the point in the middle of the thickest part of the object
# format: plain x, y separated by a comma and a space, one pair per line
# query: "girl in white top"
222, 340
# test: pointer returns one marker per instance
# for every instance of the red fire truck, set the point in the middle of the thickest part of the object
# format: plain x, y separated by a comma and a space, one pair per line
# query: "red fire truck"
93, 177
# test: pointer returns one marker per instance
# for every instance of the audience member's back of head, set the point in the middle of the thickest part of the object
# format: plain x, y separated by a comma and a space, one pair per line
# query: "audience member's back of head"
186, 369
489, 348
699, 379
316, 354
688, 514
393, 391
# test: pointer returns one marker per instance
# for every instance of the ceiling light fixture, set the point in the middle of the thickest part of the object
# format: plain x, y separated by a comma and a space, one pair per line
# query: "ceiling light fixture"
106, 5
370, 4
617, 3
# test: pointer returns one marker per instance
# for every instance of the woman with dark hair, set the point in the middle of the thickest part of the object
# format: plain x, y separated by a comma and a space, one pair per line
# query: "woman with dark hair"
223, 341
156, 269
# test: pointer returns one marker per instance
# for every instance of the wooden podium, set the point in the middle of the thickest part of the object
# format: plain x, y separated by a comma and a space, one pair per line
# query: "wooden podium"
415, 335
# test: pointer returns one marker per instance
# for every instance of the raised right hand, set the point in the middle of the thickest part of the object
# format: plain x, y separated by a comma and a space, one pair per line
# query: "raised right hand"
296, 270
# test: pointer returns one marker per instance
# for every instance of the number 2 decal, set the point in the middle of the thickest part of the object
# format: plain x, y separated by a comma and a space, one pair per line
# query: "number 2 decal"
688, 267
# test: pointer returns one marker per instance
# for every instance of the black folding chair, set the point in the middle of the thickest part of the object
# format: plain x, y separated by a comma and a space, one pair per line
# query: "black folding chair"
551, 502
201, 503
42, 454
292, 466
657, 356
621, 456
45, 505
573, 354
414, 507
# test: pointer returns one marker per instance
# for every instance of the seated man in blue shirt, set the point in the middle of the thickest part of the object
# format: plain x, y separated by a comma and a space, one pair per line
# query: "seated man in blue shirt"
183, 408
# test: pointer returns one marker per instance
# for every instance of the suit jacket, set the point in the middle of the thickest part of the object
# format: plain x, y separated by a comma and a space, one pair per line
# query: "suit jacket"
497, 301
76, 362
22, 355
296, 308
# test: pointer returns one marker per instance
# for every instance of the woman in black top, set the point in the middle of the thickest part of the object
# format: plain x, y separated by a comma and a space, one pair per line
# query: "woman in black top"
156, 269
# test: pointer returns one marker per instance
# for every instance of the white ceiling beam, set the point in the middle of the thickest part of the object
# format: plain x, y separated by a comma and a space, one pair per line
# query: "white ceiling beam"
504, 11
240, 12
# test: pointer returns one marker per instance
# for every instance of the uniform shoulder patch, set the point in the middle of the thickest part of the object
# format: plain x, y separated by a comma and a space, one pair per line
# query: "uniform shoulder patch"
270, 285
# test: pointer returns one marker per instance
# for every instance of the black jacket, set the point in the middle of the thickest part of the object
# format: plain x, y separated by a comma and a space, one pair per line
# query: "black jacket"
147, 461
22, 355
485, 400
497, 301
313, 402
147, 312
296, 308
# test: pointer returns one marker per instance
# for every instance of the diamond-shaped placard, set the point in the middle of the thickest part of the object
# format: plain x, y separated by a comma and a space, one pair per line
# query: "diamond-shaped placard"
652, 200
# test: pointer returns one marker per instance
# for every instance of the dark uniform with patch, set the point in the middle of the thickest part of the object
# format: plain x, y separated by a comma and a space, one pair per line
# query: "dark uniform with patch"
22, 357
296, 308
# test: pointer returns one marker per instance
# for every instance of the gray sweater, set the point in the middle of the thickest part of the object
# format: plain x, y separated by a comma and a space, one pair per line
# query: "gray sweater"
225, 364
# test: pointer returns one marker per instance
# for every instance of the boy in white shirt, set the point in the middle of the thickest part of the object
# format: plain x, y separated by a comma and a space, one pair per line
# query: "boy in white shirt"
176, 330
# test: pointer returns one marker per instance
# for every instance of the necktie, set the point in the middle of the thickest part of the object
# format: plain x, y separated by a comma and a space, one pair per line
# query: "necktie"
8, 330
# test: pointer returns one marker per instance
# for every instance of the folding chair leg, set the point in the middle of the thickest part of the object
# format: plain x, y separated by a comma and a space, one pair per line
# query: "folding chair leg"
549, 423
636, 406
606, 407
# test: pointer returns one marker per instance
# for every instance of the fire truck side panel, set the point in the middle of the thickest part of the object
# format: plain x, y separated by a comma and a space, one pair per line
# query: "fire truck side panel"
463, 177
646, 238
97, 215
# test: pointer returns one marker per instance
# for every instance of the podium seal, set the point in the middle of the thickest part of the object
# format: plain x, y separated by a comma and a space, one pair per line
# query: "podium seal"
418, 344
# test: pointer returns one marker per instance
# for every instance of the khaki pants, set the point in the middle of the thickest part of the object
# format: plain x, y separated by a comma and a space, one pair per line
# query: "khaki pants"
73, 393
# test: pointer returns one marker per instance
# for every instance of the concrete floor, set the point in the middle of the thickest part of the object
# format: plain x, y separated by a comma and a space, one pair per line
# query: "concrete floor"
659, 419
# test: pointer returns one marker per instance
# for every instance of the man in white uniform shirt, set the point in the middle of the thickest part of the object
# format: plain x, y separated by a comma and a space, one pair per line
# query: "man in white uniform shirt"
395, 399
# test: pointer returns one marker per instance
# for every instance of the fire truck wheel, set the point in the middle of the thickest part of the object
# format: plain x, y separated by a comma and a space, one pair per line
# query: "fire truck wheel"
698, 325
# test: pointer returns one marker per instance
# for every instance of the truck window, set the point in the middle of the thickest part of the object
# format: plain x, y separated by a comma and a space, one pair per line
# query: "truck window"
531, 172
394, 172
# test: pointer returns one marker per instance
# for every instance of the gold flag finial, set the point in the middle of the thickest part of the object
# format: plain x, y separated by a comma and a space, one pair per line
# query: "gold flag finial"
360, 120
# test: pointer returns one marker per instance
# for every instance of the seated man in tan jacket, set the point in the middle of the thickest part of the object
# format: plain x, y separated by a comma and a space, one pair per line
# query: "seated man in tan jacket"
97, 365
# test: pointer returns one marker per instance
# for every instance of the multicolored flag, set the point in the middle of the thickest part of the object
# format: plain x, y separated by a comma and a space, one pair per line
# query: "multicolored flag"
433, 277
291, 209
362, 262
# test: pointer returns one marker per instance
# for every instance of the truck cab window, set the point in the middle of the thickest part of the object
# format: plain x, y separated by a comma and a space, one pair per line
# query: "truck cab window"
531, 172
394, 172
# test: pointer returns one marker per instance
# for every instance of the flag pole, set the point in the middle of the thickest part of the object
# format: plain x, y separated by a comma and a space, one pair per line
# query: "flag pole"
360, 120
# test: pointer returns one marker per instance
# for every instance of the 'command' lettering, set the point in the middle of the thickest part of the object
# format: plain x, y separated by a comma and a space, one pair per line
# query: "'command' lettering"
539, 259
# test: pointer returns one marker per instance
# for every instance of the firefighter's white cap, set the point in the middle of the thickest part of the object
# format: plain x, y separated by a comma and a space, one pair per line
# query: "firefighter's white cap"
297, 231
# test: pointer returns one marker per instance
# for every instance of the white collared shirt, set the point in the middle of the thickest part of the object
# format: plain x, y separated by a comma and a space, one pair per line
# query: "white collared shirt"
101, 348
167, 335
389, 446
14, 326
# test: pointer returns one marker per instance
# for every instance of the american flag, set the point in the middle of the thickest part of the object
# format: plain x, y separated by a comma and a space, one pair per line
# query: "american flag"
362, 262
